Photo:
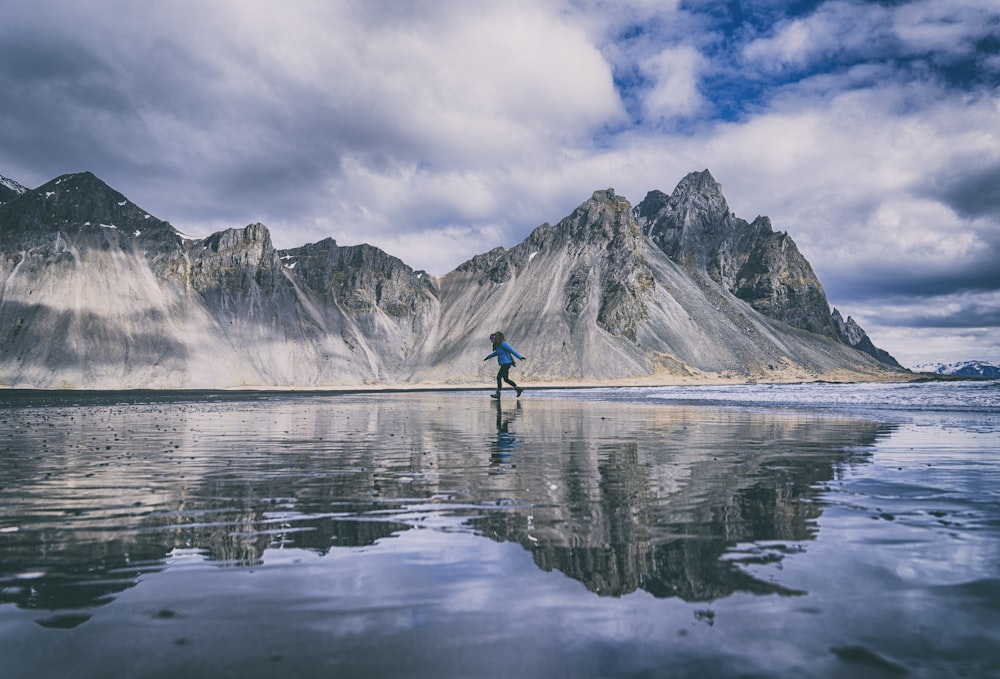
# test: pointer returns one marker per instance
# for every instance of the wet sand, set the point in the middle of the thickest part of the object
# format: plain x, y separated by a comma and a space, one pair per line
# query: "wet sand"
440, 534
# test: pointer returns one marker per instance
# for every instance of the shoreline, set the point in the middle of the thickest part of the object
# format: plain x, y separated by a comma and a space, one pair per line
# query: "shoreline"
9, 392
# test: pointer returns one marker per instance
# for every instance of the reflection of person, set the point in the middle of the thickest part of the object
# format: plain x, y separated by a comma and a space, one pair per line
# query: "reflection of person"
502, 447
505, 357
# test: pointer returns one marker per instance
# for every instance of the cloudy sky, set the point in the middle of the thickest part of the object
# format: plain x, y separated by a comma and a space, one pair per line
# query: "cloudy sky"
438, 129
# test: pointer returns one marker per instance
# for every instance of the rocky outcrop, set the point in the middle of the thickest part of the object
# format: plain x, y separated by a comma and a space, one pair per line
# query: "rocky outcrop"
851, 334
696, 229
9, 189
95, 292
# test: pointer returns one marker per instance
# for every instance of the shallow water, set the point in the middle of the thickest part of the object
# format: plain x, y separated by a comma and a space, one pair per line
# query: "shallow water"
599, 533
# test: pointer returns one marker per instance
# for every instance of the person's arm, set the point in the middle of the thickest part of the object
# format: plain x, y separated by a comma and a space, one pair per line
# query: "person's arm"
512, 350
493, 355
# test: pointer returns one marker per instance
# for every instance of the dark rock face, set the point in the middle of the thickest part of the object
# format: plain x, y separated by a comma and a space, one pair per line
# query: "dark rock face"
851, 334
491, 267
98, 293
235, 260
361, 279
79, 207
778, 282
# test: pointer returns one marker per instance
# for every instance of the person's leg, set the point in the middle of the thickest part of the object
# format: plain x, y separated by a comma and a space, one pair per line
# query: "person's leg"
506, 377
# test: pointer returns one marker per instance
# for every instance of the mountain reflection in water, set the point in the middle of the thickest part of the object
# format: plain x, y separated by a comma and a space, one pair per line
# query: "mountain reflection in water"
673, 500
619, 496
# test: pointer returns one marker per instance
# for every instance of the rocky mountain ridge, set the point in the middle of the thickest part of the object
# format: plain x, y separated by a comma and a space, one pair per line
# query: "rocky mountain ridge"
97, 293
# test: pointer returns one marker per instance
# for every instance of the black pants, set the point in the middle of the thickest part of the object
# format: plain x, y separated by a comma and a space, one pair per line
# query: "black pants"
503, 376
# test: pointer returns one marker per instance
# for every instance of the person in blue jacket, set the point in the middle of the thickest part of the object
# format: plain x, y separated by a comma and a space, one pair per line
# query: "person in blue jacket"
505, 357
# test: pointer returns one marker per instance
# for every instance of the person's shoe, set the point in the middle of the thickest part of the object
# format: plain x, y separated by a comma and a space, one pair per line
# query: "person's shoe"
519, 390
495, 395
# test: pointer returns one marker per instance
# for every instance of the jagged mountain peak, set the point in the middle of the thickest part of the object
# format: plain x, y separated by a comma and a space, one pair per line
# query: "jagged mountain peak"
64, 187
690, 224
607, 196
360, 278
74, 179
363, 256
602, 205
697, 194
848, 331
698, 183
605, 220
698, 200
696, 229
651, 205
601, 219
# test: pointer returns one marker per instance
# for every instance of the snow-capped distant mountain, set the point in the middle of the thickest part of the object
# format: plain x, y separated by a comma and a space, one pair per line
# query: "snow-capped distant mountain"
9, 189
964, 368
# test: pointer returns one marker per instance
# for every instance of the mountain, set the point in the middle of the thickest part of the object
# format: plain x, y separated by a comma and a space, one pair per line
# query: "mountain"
98, 293
963, 368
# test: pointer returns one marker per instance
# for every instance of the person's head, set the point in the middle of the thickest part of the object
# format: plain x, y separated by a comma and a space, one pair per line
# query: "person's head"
496, 338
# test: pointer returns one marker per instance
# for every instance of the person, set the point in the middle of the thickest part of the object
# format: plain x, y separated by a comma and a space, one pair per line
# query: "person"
505, 357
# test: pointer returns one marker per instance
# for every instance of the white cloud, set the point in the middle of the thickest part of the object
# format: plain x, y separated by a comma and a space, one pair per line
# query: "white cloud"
935, 26
942, 328
792, 45
836, 27
848, 168
455, 83
917, 346
926, 29
675, 73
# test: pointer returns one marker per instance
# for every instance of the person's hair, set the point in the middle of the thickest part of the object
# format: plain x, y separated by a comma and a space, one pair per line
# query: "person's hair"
497, 339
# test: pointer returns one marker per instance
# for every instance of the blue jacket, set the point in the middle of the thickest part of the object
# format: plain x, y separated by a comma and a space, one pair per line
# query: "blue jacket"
505, 354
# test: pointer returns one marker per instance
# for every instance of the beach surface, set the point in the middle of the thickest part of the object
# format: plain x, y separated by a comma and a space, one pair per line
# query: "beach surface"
834, 530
